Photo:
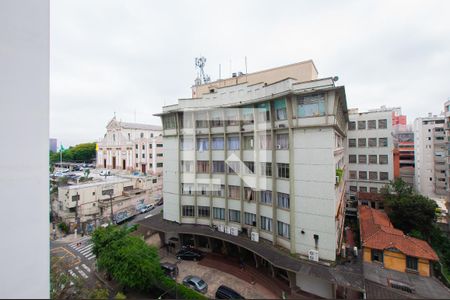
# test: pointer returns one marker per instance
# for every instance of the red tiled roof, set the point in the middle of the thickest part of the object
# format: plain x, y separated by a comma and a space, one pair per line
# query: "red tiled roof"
377, 232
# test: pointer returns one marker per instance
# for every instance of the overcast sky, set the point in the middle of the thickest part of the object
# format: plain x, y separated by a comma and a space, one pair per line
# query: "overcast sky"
136, 56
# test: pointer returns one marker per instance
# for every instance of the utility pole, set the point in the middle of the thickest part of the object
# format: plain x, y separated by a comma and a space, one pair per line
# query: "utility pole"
77, 220
110, 202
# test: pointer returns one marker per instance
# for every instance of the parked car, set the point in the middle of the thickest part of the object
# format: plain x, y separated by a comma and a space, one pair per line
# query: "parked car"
188, 253
65, 170
160, 202
169, 269
58, 174
196, 283
224, 292
146, 208
105, 173
76, 168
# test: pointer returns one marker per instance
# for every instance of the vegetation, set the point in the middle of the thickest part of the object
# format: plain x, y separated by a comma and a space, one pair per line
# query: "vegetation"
63, 227
62, 286
416, 215
340, 173
179, 290
120, 296
128, 259
99, 294
80, 153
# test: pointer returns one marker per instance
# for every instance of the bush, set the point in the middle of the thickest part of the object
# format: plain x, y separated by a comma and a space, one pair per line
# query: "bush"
99, 294
63, 227
120, 296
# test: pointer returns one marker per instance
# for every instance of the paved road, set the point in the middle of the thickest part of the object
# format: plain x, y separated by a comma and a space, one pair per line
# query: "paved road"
140, 217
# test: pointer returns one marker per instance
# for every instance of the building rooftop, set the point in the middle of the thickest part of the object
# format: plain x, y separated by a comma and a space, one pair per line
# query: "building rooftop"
140, 126
98, 182
377, 232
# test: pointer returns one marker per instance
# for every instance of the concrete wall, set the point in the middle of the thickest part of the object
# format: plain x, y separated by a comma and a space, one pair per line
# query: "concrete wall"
171, 186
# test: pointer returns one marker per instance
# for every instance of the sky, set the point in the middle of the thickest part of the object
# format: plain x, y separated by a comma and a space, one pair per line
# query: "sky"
130, 58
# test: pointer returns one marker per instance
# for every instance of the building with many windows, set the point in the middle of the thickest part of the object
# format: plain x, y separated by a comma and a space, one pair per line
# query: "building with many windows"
263, 162
132, 147
370, 151
430, 156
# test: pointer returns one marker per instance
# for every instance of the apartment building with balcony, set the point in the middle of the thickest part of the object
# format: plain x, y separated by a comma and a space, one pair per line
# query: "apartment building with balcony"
89, 203
263, 163
370, 156
430, 156
404, 166
131, 147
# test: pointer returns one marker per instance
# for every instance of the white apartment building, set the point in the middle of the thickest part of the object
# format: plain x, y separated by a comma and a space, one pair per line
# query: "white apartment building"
430, 156
91, 201
263, 160
132, 147
370, 150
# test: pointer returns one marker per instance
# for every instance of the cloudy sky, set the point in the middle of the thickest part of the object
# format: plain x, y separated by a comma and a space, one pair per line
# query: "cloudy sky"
133, 57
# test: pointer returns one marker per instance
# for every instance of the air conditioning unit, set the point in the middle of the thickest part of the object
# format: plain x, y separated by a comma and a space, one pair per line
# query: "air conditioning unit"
234, 231
221, 228
313, 255
227, 230
255, 236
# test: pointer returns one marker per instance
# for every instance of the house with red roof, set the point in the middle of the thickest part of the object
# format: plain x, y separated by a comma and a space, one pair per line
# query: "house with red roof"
389, 247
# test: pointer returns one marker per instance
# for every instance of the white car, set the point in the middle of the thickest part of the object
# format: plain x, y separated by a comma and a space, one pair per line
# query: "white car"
105, 173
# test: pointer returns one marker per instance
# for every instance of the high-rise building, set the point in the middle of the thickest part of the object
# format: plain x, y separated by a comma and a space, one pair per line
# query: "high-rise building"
132, 147
404, 153
260, 157
430, 156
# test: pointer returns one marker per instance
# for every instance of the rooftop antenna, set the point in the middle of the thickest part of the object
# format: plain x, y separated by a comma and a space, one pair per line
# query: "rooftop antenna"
202, 78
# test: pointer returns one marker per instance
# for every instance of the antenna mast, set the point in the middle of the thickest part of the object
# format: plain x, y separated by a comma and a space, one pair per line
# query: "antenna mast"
202, 77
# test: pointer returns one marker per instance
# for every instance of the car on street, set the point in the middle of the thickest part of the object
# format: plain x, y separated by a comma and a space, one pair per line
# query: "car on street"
58, 174
189, 253
160, 202
146, 208
196, 283
105, 173
224, 292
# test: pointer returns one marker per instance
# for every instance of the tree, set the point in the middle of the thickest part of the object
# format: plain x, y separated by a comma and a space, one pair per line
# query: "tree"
80, 153
128, 259
99, 294
409, 211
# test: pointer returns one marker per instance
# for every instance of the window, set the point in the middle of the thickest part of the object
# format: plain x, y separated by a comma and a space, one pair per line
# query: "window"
203, 211
159, 145
383, 160
234, 215
283, 170
384, 175
373, 175
219, 213
247, 115
154, 180
377, 255
353, 188
158, 154
266, 223
362, 142
249, 194
218, 190
114, 137
266, 197
234, 167
382, 142
411, 263
202, 144
216, 119
263, 110
363, 189
218, 166
149, 146
352, 159
159, 165
362, 159
142, 134
77, 197
217, 143
311, 106
372, 159
352, 143
280, 109
187, 210
248, 142
362, 175
143, 146
151, 135
137, 155
374, 190
187, 143
202, 190
372, 124
351, 125
143, 155
169, 121
129, 136
234, 192
233, 143
201, 120
137, 146
202, 166
382, 124
265, 141
187, 166
249, 219
283, 141
266, 169
283, 229
283, 200
249, 167
352, 174
372, 142
187, 189
232, 117
361, 125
